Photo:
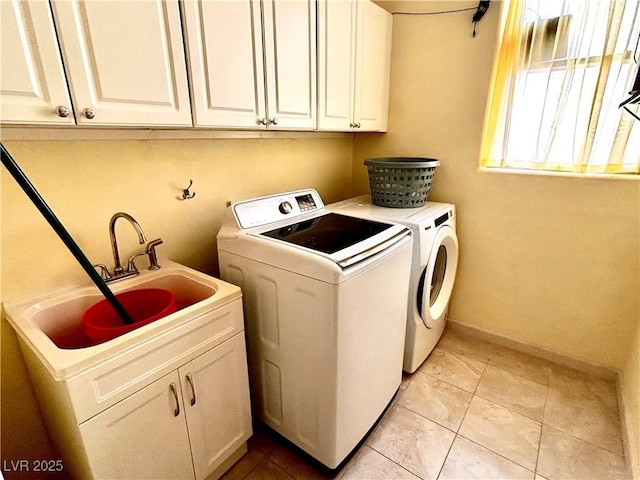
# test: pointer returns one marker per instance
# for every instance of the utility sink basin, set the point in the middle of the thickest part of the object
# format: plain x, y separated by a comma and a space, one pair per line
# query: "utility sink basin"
51, 326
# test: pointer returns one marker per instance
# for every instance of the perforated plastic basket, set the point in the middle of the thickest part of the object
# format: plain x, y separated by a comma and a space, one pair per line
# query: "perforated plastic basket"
400, 182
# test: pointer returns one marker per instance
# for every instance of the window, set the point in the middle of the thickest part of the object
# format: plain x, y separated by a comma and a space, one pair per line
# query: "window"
562, 70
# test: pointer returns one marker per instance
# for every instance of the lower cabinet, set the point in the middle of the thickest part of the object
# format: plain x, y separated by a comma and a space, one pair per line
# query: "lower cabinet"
185, 425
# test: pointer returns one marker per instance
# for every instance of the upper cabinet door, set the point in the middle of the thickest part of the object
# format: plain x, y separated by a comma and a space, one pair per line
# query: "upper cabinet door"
33, 87
373, 62
354, 58
290, 58
336, 51
224, 43
125, 61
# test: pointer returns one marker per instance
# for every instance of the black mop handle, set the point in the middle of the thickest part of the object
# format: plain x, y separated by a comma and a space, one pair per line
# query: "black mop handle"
73, 247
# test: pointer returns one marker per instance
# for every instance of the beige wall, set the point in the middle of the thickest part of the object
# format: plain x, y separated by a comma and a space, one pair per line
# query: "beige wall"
553, 262
549, 261
85, 182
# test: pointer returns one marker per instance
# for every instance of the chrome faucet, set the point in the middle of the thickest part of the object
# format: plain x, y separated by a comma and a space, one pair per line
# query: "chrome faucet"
118, 271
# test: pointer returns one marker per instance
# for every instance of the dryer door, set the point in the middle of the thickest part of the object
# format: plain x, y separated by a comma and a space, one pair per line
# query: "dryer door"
436, 282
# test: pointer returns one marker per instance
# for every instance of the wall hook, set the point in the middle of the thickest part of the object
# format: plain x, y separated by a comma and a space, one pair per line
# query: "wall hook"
186, 195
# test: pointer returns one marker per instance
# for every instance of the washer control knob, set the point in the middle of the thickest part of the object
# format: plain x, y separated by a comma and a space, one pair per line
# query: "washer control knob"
285, 207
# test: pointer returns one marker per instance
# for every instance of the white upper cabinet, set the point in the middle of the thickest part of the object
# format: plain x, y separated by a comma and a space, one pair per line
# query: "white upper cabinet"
373, 64
224, 43
33, 87
336, 63
290, 53
125, 61
252, 63
354, 56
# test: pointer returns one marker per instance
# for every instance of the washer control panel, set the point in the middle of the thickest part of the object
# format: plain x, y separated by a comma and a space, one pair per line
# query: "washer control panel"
264, 210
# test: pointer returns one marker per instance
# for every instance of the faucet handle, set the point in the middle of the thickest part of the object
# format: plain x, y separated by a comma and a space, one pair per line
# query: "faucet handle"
104, 271
151, 252
131, 266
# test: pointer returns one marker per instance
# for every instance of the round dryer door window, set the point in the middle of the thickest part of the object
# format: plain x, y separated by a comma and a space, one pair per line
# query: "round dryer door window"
438, 277
439, 271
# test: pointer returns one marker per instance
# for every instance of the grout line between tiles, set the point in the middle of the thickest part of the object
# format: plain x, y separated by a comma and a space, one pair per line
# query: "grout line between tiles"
569, 434
447, 455
496, 453
460, 424
511, 409
393, 461
491, 401
544, 411
604, 408
429, 419
444, 380
517, 374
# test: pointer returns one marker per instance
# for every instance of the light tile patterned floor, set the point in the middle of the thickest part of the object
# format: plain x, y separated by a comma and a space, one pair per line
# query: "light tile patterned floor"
475, 410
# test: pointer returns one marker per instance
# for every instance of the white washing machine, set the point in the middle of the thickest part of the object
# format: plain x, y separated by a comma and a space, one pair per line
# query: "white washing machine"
325, 297
433, 268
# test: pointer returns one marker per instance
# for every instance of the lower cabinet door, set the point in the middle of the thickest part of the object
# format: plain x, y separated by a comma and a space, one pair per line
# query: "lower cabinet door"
144, 436
215, 386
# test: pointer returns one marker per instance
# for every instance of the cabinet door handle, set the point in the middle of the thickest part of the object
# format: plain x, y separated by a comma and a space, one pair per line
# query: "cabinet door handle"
262, 121
274, 121
193, 389
88, 113
174, 390
62, 111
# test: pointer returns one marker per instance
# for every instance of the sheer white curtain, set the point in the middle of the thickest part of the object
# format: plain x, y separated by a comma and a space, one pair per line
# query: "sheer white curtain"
563, 68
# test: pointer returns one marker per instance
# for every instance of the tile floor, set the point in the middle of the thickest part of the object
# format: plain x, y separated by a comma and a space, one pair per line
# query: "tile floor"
475, 410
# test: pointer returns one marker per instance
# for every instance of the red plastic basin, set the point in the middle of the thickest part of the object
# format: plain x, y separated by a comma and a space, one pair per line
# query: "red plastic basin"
101, 322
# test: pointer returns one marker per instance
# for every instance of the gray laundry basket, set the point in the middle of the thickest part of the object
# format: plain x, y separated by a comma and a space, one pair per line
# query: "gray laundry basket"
400, 182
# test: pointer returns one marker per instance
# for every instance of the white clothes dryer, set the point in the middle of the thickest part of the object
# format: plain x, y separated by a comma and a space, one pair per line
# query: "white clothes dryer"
433, 268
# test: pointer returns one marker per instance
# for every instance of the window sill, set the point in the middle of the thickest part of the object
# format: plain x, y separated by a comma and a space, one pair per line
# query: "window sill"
547, 173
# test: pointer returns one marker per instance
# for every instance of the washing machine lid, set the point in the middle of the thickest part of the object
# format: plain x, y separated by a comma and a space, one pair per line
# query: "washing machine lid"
328, 233
343, 239
295, 224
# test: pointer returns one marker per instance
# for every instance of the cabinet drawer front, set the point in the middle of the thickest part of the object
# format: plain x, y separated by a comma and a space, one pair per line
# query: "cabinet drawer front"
122, 375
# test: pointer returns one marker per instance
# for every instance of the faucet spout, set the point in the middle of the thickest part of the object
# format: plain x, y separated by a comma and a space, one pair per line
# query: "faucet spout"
117, 269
